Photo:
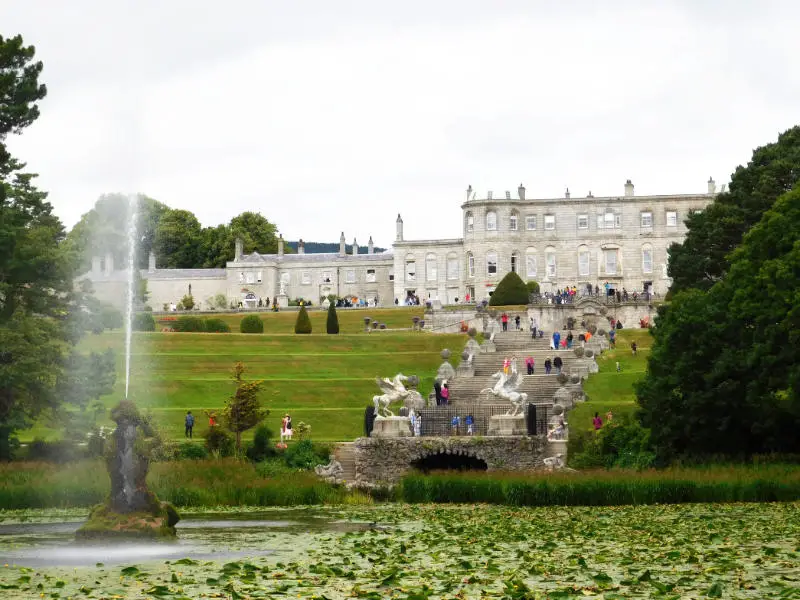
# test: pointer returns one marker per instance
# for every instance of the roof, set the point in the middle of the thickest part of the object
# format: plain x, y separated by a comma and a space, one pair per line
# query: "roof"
184, 274
320, 257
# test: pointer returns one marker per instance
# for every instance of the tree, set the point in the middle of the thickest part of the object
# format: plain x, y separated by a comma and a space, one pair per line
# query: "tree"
20, 89
332, 324
83, 381
256, 232
243, 410
510, 290
303, 323
177, 240
703, 258
533, 287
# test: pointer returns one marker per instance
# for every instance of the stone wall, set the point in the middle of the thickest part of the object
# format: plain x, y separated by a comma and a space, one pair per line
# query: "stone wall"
386, 460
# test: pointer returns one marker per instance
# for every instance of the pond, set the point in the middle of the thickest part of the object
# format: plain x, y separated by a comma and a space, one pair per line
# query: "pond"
413, 552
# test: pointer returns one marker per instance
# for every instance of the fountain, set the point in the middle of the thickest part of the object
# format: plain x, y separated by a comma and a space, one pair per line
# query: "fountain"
131, 510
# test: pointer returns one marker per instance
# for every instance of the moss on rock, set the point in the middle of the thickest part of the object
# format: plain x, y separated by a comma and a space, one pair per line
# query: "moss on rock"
104, 523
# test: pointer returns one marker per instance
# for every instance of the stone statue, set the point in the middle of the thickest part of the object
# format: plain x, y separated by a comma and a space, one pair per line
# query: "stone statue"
554, 463
393, 390
282, 288
506, 388
332, 470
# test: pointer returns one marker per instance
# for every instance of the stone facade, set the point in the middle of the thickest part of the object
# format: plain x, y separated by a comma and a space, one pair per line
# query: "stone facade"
387, 460
587, 241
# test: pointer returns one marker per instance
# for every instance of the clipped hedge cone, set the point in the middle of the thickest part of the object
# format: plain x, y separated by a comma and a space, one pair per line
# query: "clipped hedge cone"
303, 323
332, 324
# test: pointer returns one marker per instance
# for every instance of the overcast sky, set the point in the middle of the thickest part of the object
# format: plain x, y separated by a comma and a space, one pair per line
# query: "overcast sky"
329, 116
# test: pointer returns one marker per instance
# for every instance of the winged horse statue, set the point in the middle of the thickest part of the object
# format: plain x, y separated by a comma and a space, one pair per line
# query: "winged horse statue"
506, 388
393, 390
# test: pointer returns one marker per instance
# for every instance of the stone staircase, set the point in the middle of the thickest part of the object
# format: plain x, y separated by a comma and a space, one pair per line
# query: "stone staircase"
344, 452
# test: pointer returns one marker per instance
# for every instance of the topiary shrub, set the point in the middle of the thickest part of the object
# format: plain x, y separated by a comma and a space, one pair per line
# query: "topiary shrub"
533, 287
144, 322
189, 325
261, 448
251, 324
303, 323
187, 302
220, 441
332, 324
217, 326
510, 290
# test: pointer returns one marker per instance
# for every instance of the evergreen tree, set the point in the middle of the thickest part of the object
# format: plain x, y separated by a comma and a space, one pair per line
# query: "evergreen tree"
510, 290
303, 323
333, 320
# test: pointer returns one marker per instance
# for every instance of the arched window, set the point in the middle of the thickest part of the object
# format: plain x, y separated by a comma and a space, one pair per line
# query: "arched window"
491, 221
515, 262
550, 262
469, 222
452, 266
470, 264
430, 267
647, 258
513, 221
530, 263
491, 263
411, 268
583, 261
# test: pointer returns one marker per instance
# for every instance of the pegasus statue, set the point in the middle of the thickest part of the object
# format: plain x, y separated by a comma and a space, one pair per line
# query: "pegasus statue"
506, 388
393, 390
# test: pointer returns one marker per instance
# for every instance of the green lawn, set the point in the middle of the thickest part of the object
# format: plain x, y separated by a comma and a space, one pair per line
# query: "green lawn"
325, 381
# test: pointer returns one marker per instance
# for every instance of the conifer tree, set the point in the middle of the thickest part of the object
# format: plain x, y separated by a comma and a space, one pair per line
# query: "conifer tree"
303, 323
333, 320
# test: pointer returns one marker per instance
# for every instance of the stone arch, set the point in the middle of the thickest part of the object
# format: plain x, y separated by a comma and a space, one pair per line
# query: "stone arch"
448, 459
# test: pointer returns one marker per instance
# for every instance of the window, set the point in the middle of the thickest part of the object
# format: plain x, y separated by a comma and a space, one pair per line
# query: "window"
549, 222
241, 276
530, 262
452, 267
471, 265
430, 267
583, 221
491, 263
583, 261
411, 270
647, 259
672, 218
470, 222
491, 221
350, 276
646, 219
608, 220
512, 223
550, 260
251, 277
391, 274
515, 262
306, 280
611, 261
530, 222
370, 275
259, 276
326, 277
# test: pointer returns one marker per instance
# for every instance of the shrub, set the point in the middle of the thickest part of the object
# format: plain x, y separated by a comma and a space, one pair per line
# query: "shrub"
189, 325
332, 325
251, 324
618, 444
533, 287
261, 448
220, 441
303, 455
111, 317
217, 326
303, 323
143, 322
510, 290
188, 302
192, 451
60, 451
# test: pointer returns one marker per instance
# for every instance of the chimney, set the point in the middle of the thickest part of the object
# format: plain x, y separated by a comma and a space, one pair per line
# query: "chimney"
96, 260
342, 251
280, 244
469, 191
489, 195
712, 187
151, 262
628, 189
109, 263
237, 255
355, 247
590, 194
370, 246
521, 191
508, 195
566, 194
399, 236
301, 247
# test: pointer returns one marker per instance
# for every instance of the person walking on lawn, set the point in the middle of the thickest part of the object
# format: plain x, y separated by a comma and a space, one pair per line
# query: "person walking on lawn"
189, 425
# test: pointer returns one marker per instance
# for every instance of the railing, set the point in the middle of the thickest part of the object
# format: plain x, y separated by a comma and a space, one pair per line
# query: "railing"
442, 421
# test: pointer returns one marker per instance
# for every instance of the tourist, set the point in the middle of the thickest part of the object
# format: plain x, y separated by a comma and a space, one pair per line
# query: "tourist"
417, 425
558, 363
556, 340
597, 422
506, 365
470, 424
286, 428
547, 366
609, 417
504, 320
634, 347
445, 393
189, 425
212, 419
455, 422
516, 321
437, 389
533, 328
570, 338
530, 363
612, 338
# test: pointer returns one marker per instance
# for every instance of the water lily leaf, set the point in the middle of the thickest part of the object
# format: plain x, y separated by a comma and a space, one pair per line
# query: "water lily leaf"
715, 591
130, 571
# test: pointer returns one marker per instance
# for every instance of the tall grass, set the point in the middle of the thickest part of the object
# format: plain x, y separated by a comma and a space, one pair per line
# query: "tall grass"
771, 483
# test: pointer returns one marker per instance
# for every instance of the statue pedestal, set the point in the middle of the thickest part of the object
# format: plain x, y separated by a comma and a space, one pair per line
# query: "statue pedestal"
507, 425
391, 427
283, 300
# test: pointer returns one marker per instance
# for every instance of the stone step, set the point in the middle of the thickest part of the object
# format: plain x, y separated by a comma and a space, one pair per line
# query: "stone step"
344, 452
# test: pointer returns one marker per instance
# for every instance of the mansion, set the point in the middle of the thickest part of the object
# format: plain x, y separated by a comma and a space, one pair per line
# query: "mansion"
559, 242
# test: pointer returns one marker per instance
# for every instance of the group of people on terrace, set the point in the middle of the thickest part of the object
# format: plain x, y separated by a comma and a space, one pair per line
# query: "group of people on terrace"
568, 294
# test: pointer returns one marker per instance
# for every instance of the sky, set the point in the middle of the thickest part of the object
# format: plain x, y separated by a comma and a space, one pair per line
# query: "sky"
336, 116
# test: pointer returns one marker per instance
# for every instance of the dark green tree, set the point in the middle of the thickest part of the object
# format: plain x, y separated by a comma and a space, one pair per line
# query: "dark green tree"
256, 232
510, 290
243, 409
177, 240
251, 324
332, 324
303, 323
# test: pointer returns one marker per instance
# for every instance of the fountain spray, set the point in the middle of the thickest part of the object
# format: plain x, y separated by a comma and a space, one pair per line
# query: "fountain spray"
132, 215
